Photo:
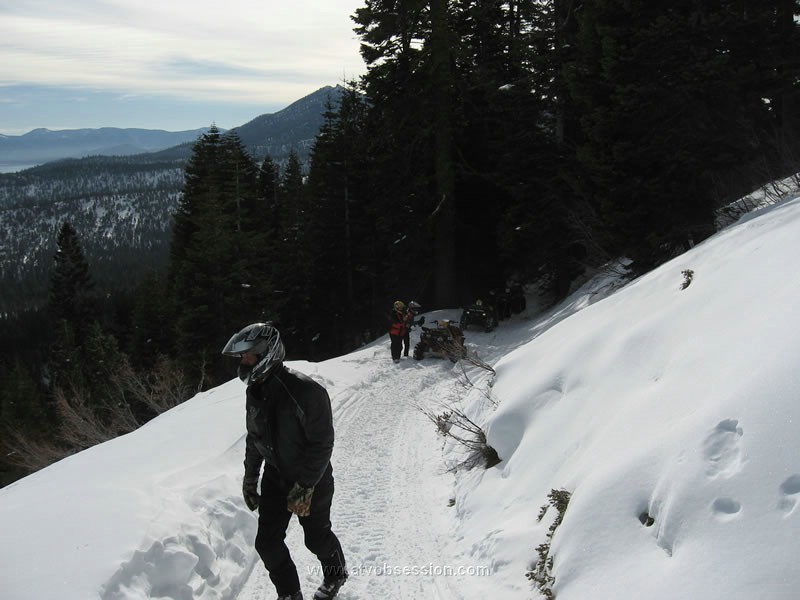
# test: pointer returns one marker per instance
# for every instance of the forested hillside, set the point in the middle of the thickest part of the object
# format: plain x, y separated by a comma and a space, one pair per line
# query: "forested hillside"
487, 143
121, 206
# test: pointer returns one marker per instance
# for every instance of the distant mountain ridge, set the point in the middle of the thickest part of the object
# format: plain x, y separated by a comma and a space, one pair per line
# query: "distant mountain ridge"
294, 127
43, 145
276, 134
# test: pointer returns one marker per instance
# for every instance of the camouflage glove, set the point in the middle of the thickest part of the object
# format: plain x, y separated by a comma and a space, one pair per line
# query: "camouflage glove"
250, 491
299, 500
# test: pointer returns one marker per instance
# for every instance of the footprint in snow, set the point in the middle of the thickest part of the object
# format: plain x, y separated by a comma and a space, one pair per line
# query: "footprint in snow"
721, 449
725, 509
790, 490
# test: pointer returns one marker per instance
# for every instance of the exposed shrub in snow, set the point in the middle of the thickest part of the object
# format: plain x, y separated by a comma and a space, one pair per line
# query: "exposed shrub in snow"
458, 427
541, 572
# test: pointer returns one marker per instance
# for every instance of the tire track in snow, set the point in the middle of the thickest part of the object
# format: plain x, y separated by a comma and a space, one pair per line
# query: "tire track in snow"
388, 459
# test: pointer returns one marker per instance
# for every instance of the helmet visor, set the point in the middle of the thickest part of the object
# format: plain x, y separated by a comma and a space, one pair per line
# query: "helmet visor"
237, 345
247, 340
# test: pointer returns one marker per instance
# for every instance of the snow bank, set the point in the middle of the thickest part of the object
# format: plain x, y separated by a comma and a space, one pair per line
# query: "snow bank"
155, 513
678, 403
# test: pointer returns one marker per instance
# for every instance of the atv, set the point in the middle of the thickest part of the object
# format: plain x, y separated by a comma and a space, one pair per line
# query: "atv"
446, 340
508, 301
478, 314
517, 302
500, 300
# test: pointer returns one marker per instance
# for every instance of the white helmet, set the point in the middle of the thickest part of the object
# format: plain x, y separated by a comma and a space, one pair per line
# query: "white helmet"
261, 339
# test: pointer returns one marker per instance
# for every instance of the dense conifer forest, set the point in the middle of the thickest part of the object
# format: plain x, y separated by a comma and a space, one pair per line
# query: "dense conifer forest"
488, 142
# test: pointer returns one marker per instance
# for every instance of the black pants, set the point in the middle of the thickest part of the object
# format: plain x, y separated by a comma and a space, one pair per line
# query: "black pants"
273, 520
397, 346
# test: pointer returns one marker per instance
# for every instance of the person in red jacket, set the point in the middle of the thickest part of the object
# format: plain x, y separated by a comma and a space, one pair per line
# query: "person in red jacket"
288, 445
398, 329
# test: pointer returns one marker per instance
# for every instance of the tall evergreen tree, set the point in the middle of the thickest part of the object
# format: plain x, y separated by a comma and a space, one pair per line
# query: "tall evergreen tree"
214, 257
329, 228
71, 285
152, 323
343, 226
263, 234
267, 211
442, 78
70, 305
292, 260
22, 405
393, 34
199, 190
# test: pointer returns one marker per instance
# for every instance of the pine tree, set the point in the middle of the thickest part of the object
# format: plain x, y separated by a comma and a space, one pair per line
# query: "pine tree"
446, 292
292, 264
267, 208
216, 253
199, 190
401, 149
343, 227
328, 229
71, 309
21, 403
71, 285
152, 323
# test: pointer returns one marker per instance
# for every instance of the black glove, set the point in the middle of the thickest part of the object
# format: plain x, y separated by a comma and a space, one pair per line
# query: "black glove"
250, 491
299, 500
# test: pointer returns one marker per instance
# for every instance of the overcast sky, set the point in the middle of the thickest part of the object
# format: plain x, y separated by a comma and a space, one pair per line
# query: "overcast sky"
174, 65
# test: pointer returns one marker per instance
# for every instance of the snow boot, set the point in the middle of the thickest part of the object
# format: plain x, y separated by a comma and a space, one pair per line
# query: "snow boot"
298, 595
330, 587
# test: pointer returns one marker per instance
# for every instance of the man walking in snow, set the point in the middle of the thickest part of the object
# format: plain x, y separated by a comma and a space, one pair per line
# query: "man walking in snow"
290, 433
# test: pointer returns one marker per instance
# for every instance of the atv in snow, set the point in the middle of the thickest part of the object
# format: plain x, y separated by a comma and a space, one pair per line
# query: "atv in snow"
479, 314
508, 301
500, 299
517, 302
446, 340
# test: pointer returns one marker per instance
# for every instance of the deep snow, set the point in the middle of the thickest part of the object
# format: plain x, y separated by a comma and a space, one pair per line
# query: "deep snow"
681, 404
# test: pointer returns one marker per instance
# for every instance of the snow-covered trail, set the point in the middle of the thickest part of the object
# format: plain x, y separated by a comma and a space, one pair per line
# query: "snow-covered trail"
168, 520
391, 506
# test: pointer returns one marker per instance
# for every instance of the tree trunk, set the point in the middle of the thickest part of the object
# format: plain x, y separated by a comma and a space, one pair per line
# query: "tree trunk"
445, 292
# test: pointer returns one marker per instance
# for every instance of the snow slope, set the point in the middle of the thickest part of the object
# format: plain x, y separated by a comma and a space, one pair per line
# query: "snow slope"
677, 404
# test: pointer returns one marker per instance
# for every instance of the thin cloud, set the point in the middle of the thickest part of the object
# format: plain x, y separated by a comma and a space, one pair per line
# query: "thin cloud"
243, 51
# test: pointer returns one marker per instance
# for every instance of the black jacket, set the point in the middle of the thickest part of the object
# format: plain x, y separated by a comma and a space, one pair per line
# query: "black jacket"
290, 426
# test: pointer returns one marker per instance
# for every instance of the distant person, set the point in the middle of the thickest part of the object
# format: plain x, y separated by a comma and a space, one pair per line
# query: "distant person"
411, 312
290, 433
398, 329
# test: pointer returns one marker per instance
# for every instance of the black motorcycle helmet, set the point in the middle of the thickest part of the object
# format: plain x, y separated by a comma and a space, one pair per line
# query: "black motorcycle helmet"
261, 339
